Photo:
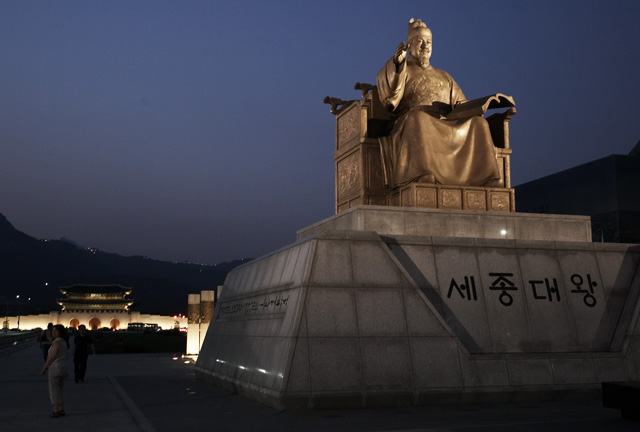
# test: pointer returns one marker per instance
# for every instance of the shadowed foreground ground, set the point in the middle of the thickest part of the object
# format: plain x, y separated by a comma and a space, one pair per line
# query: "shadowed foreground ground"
153, 392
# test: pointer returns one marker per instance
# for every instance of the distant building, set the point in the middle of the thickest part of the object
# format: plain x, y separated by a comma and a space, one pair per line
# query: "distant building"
112, 298
606, 189
95, 306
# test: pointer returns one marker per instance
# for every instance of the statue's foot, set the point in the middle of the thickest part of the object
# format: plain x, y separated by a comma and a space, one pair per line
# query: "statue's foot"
427, 178
494, 183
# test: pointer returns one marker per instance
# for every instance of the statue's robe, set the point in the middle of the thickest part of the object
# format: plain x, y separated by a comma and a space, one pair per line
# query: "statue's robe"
423, 142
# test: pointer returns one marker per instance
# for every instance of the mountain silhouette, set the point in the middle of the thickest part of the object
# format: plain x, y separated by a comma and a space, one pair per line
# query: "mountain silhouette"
34, 269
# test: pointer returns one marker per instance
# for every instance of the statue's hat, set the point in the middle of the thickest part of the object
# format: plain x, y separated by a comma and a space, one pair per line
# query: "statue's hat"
415, 27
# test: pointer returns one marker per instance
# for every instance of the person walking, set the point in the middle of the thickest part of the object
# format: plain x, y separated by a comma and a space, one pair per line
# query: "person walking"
56, 366
83, 342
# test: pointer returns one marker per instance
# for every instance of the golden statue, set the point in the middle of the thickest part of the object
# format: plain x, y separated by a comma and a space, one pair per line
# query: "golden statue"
438, 136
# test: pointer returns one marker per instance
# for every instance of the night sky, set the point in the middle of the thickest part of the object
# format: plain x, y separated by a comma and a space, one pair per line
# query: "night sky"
195, 130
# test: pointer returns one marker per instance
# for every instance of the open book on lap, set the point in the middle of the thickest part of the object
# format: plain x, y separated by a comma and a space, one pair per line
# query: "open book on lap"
478, 107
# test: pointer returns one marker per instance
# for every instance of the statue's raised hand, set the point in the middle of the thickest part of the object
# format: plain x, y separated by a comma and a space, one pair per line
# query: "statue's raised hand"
401, 53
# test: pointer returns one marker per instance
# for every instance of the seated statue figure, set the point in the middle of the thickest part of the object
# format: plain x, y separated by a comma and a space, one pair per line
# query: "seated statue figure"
428, 143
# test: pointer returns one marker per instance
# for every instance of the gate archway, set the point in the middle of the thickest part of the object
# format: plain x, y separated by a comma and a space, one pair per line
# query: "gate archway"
94, 324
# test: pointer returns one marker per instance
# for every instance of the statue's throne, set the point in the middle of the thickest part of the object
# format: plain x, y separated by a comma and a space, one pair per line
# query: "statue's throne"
360, 175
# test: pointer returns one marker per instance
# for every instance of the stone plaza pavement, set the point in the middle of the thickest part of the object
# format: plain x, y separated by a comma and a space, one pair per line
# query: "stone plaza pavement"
153, 392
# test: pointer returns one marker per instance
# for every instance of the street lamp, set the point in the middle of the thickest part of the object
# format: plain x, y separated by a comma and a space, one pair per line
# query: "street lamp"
18, 309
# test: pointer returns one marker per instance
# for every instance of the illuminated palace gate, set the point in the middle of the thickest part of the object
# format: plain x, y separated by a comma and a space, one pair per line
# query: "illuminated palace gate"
96, 306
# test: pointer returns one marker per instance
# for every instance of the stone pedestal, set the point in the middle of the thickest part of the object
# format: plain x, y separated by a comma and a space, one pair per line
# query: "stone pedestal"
352, 317
452, 223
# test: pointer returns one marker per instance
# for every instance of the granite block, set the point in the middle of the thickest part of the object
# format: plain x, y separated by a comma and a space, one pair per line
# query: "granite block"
381, 312
256, 353
344, 222
255, 282
499, 228
367, 236
388, 398
377, 220
299, 377
470, 225
574, 246
217, 354
535, 244
496, 243
335, 364
634, 354
244, 274
386, 364
289, 323
453, 241
261, 279
268, 371
505, 301
462, 296
269, 269
546, 296
406, 240
574, 370
231, 328
271, 327
372, 265
416, 223
616, 301
586, 299
418, 263
567, 230
332, 263
483, 372
300, 274
454, 223
612, 368
231, 281
337, 400
255, 328
530, 371
278, 268
534, 228
227, 356
302, 331
617, 269
421, 320
331, 312
263, 359
435, 362
290, 264
242, 358
335, 234
278, 363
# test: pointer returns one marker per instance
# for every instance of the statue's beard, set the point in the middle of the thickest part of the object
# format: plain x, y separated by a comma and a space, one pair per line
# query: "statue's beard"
422, 59
423, 62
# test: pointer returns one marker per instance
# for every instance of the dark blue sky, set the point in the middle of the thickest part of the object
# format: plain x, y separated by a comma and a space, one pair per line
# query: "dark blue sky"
195, 130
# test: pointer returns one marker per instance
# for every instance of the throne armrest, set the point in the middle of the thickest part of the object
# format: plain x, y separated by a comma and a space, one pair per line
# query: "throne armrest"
499, 127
